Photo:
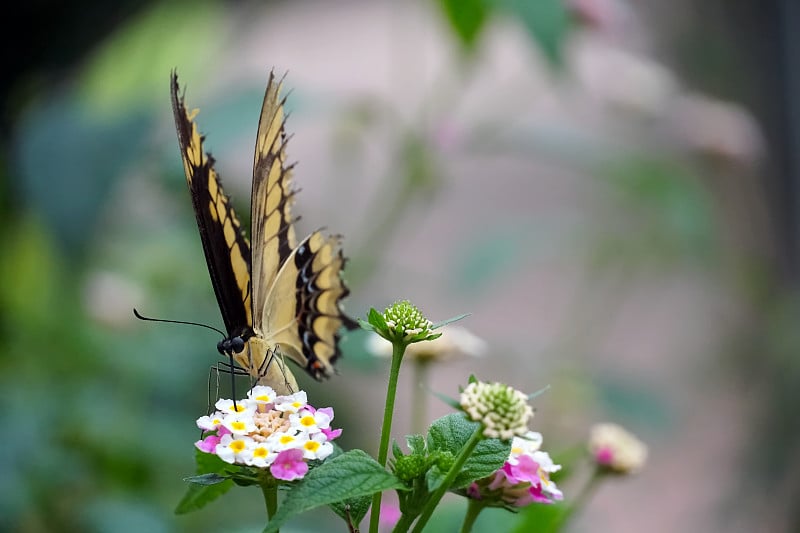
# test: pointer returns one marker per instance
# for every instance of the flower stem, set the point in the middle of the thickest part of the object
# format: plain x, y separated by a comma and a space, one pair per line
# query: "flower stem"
433, 501
270, 491
578, 502
474, 508
398, 348
418, 397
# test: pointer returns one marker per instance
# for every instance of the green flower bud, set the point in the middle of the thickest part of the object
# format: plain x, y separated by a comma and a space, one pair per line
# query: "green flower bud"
503, 410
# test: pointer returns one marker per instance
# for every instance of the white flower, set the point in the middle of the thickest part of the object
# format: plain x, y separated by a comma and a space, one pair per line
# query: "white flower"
317, 447
239, 423
240, 407
292, 403
209, 422
262, 394
279, 442
526, 444
235, 449
262, 455
309, 422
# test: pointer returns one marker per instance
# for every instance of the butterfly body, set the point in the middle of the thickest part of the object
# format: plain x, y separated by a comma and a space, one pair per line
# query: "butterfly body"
279, 299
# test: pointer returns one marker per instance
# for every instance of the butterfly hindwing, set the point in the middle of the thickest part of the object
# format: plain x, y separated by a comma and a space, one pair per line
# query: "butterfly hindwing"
296, 302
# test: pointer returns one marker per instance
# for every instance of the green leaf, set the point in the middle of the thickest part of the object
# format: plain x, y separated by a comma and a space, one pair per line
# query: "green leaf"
416, 443
200, 495
449, 321
356, 508
539, 392
209, 463
546, 21
396, 450
376, 319
353, 474
467, 18
542, 518
206, 479
450, 432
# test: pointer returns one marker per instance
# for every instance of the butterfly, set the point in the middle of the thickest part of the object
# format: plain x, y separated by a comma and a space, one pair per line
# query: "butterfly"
279, 298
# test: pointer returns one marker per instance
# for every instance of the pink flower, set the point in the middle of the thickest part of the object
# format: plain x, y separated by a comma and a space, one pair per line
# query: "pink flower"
208, 444
526, 469
390, 514
604, 456
289, 465
331, 434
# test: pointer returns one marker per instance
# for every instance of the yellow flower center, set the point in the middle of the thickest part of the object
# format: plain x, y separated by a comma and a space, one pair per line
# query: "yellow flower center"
237, 446
311, 445
286, 439
238, 425
260, 452
307, 421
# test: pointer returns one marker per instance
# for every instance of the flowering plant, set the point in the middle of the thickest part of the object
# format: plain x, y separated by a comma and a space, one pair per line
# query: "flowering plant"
485, 451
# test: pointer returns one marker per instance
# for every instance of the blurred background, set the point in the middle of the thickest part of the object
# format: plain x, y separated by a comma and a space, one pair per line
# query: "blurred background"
609, 187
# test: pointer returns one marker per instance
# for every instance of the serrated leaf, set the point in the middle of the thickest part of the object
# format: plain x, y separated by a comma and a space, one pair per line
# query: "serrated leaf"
467, 18
450, 433
198, 496
489, 455
416, 443
353, 474
357, 510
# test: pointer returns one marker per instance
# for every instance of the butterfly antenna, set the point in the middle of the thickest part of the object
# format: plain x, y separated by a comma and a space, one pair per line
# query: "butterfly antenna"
148, 319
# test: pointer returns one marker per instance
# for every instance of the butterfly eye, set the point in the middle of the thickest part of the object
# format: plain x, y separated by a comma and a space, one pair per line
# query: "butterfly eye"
221, 346
237, 344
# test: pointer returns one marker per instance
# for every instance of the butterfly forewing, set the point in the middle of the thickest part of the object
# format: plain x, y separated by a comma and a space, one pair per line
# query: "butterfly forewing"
226, 249
286, 292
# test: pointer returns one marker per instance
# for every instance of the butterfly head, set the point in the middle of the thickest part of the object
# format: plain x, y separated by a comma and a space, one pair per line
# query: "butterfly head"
231, 346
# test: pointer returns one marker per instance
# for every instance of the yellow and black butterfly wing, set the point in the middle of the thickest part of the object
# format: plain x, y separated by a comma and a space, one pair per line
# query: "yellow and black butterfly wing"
297, 289
226, 249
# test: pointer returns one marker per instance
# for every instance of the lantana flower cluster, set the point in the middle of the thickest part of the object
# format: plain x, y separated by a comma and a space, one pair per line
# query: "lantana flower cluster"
265, 430
523, 479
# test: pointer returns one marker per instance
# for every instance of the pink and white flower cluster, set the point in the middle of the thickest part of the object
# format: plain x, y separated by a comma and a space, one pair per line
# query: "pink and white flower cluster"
264, 430
523, 479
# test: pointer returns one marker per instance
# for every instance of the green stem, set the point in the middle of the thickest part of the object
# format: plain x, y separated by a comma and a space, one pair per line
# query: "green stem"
398, 348
269, 488
474, 508
579, 501
431, 504
404, 523
418, 397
